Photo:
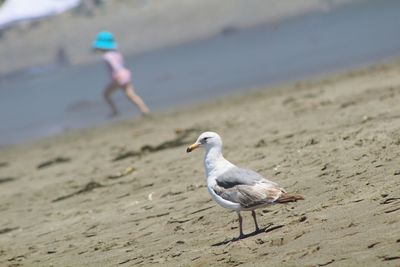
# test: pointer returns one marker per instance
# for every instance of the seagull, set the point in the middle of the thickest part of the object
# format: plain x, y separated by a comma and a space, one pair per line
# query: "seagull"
235, 188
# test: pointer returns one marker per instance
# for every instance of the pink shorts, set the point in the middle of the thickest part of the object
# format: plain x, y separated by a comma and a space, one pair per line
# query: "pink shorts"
122, 77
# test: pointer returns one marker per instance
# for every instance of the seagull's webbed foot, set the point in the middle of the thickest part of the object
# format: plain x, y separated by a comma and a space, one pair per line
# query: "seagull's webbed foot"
240, 237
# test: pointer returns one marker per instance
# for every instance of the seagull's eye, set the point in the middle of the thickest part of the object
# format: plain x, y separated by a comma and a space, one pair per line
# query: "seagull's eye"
205, 139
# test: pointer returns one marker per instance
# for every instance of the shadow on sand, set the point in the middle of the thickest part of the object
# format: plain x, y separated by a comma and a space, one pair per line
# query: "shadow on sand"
266, 229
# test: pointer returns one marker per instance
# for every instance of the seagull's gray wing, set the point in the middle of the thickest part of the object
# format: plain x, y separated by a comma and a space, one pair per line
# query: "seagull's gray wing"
247, 188
238, 176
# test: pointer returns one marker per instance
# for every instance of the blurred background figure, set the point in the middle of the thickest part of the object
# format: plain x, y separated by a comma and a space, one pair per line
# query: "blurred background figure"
87, 7
120, 76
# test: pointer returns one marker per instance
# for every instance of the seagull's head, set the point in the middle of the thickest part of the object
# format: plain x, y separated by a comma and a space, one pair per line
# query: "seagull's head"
206, 140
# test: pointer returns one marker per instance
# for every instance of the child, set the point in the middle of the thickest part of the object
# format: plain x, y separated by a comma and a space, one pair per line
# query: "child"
120, 76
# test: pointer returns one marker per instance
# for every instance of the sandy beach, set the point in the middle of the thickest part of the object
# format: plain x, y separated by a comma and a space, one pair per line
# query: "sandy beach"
127, 194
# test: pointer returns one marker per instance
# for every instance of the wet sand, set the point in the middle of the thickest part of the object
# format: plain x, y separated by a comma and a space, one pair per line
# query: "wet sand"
128, 194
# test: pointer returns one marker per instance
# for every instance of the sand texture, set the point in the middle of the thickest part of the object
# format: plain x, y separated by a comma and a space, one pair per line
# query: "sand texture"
128, 194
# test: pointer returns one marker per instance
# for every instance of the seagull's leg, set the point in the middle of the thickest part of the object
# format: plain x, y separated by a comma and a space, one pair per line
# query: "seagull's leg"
253, 213
241, 235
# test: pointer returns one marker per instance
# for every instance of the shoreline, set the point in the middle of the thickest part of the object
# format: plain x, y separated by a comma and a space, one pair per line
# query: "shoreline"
128, 193
167, 112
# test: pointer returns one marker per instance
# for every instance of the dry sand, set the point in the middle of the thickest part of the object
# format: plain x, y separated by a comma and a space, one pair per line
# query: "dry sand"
127, 194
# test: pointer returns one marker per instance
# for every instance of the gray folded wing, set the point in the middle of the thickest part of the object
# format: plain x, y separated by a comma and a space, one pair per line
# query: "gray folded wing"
238, 176
246, 187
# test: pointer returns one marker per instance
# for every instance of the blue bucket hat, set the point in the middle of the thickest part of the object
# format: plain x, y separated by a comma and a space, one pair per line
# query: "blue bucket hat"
105, 41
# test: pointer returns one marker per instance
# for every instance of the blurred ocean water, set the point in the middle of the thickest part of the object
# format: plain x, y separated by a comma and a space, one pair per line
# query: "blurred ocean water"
354, 35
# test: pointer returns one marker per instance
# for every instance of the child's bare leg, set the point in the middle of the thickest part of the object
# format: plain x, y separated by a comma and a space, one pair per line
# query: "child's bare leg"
137, 100
107, 96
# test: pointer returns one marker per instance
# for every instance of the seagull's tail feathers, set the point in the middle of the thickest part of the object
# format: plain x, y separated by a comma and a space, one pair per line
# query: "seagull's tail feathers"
287, 197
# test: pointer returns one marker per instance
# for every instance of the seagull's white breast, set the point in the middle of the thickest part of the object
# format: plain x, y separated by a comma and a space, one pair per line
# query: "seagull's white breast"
215, 165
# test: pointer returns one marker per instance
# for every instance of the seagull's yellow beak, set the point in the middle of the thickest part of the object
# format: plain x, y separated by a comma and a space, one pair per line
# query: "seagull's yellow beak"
192, 147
